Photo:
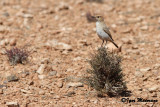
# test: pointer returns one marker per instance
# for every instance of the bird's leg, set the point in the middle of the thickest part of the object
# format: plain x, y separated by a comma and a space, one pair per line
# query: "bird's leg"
102, 43
105, 44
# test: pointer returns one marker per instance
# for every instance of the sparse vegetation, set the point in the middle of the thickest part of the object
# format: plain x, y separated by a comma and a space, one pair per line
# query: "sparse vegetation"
106, 75
17, 55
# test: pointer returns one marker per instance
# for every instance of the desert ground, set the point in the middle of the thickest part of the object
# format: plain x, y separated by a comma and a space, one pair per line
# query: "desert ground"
60, 40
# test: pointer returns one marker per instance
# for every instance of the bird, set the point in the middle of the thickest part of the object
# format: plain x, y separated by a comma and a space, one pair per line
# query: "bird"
103, 31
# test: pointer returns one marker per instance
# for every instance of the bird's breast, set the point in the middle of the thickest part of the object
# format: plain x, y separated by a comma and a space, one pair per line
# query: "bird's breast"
100, 32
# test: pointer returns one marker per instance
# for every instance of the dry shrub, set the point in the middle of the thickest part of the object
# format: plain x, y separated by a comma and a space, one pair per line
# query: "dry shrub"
106, 74
16, 55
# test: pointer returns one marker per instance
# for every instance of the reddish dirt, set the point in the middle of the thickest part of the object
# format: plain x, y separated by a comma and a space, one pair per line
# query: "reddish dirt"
61, 39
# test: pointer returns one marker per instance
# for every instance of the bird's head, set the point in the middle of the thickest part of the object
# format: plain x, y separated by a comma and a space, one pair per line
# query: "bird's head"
99, 18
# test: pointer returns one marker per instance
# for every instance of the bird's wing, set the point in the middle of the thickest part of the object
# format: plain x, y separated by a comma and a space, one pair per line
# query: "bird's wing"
108, 32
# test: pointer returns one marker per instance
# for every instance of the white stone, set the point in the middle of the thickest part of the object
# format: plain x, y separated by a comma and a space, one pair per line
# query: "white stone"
41, 69
71, 84
12, 104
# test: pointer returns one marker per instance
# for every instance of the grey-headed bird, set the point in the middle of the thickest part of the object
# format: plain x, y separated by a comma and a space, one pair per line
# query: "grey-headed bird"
103, 31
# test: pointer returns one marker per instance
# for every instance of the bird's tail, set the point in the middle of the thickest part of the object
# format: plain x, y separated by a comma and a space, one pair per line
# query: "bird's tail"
115, 44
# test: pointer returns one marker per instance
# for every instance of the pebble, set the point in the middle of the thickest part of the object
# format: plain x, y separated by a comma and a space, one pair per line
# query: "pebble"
41, 69
145, 69
144, 28
153, 88
12, 104
71, 93
135, 47
157, 45
6, 14
71, 84
45, 61
59, 84
126, 30
56, 97
52, 73
12, 78
25, 91
135, 20
12, 42
41, 76
138, 74
126, 41
2, 43
2, 86
4, 29
65, 46
41, 92
24, 74
30, 82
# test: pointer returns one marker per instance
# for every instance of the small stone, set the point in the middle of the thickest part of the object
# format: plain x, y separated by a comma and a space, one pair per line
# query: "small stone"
156, 45
6, 14
2, 86
2, 43
25, 91
24, 74
45, 61
83, 42
41, 92
41, 76
78, 2
138, 74
12, 104
30, 82
156, 66
56, 97
135, 47
52, 73
12, 42
41, 69
4, 29
145, 69
1, 91
109, 8
51, 92
12, 78
144, 95
78, 84
65, 46
60, 84
77, 59
135, 20
69, 70
69, 94
126, 30
153, 88
27, 15
126, 41
144, 28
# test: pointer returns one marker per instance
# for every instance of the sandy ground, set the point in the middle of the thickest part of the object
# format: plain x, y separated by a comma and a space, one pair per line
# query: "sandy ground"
61, 40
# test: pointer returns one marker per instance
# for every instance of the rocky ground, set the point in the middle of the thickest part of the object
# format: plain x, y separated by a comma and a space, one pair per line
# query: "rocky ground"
61, 40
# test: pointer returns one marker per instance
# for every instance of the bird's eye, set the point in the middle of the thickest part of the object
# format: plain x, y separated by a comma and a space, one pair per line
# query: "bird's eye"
97, 16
